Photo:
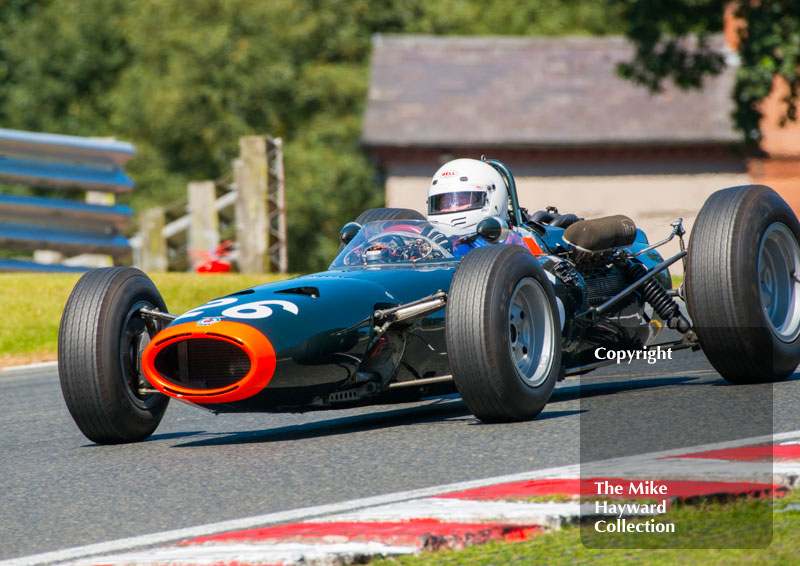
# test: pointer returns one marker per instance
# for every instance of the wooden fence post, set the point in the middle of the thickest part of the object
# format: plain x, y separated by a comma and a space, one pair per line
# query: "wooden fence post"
250, 178
203, 220
154, 245
96, 260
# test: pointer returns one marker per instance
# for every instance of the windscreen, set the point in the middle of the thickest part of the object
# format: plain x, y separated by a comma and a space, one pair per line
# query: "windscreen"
395, 242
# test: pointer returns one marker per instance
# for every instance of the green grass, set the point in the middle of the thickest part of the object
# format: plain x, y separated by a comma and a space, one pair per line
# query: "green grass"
712, 525
555, 498
31, 305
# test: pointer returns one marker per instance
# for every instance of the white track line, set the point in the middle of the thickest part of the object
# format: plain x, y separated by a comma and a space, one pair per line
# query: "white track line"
39, 365
571, 471
649, 456
281, 553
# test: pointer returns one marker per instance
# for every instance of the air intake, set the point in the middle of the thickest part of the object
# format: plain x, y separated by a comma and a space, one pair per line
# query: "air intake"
202, 363
218, 361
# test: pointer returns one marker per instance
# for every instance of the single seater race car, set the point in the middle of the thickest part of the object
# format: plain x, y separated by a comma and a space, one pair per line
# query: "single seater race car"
403, 312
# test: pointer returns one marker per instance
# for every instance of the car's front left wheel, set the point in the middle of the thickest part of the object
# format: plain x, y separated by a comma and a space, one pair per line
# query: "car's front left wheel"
503, 334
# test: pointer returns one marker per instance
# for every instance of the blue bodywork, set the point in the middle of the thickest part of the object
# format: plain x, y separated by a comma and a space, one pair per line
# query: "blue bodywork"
323, 329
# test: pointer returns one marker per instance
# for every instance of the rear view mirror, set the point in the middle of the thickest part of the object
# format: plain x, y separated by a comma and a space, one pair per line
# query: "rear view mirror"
492, 229
348, 232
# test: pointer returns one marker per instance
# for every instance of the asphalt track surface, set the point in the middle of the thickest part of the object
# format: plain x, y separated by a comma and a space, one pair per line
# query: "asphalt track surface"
58, 490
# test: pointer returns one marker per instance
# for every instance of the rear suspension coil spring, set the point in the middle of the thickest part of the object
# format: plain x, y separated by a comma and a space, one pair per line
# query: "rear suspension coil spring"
657, 296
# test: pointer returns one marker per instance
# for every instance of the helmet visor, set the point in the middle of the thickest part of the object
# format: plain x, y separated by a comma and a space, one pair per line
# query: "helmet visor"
456, 202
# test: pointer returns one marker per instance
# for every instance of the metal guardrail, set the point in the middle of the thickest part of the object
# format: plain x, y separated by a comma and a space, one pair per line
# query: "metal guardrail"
58, 161
63, 212
16, 265
69, 227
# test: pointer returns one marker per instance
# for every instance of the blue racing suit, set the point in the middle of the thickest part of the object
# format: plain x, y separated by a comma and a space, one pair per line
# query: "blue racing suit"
462, 249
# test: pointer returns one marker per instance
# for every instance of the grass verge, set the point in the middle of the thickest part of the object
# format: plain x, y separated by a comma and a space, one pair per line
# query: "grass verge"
718, 525
32, 303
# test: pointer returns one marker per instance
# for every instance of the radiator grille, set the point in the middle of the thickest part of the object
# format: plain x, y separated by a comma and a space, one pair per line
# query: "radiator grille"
601, 288
202, 363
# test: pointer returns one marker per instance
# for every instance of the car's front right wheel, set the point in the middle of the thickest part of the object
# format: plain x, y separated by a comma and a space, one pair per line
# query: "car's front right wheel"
99, 341
503, 334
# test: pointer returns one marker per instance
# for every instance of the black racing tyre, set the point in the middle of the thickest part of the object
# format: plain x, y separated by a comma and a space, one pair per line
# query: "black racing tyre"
98, 345
743, 284
377, 214
503, 334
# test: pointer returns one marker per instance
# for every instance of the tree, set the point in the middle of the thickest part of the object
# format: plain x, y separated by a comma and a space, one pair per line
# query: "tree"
673, 41
183, 80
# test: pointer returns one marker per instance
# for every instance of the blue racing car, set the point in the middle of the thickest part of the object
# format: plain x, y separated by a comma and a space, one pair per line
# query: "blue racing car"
411, 307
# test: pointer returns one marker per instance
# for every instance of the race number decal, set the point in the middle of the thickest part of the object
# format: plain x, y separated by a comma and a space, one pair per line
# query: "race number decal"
258, 309
252, 310
209, 305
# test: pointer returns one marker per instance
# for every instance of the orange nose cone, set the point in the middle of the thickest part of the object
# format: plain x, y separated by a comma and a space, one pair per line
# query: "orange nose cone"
209, 361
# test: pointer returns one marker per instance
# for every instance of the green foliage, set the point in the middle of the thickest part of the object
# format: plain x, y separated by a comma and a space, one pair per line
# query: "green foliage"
184, 80
660, 30
672, 42
770, 48
58, 75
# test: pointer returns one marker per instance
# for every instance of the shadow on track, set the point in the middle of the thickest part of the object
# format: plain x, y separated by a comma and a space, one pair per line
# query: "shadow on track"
585, 390
358, 423
440, 410
153, 438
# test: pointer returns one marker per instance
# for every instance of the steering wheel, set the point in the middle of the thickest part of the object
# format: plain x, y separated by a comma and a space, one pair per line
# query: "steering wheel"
394, 245
421, 248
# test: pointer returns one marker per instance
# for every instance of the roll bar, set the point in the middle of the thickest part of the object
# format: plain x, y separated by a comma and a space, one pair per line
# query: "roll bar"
512, 188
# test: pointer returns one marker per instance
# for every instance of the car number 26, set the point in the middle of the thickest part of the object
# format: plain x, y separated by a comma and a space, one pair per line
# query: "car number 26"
255, 309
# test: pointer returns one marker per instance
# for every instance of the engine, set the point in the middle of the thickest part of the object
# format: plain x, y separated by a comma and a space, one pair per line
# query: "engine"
592, 246
602, 281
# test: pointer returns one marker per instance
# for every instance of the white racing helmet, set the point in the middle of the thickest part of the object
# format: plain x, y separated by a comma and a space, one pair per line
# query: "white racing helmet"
465, 191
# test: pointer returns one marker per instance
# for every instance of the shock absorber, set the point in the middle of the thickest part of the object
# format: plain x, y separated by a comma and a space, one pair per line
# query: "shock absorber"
657, 296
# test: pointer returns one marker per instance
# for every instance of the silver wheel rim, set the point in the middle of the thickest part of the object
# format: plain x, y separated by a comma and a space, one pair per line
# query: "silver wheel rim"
531, 335
128, 355
779, 281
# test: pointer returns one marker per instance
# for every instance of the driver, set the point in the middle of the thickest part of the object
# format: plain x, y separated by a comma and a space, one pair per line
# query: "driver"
462, 193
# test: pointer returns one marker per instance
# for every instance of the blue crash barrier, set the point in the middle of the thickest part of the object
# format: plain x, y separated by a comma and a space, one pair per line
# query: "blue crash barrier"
70, 227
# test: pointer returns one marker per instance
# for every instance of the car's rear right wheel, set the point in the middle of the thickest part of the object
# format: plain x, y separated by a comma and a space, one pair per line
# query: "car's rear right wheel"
743, 284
